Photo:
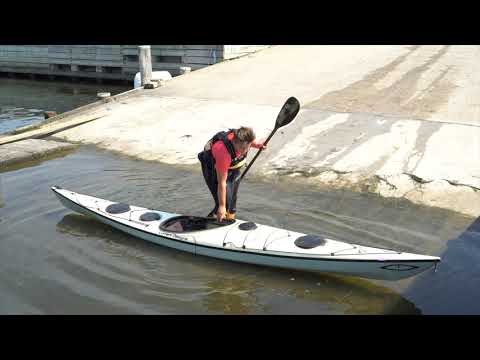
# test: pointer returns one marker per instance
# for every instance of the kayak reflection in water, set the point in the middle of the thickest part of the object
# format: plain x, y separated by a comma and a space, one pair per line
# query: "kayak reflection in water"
222, 158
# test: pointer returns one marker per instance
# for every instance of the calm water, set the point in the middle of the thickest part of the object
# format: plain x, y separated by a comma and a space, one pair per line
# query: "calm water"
55, 261
22, 102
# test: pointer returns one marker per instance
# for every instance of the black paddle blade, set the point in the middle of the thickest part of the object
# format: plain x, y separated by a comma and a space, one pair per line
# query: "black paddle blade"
288, 112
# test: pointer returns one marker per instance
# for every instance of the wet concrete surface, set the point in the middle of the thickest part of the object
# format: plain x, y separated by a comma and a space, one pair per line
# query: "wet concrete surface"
31, 149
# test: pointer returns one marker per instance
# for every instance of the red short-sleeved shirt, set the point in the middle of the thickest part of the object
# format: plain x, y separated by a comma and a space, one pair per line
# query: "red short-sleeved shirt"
222, 156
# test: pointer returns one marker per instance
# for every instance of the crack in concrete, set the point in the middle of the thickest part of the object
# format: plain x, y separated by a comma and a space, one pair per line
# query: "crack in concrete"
392, 186
424, 133
456, 183
414, 153
309, 172
418, 179
338, 172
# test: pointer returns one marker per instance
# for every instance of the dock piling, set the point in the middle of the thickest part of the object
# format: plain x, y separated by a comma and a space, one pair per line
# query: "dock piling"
145, 62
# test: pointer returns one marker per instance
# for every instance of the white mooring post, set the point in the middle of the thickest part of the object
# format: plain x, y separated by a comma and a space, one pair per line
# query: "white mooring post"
145, 61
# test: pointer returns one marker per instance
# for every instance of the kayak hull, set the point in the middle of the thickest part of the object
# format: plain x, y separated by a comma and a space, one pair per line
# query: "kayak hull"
381, 264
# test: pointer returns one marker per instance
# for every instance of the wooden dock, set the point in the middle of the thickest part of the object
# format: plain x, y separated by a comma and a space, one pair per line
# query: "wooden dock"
113, 62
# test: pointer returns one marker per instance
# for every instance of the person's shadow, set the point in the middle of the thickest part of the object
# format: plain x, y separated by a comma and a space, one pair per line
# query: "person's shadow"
455, 287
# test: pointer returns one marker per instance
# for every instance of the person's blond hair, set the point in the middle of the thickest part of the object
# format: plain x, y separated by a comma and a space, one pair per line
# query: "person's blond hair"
244, 135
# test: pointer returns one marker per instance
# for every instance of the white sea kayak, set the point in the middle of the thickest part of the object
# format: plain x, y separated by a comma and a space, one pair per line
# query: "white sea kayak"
248, 242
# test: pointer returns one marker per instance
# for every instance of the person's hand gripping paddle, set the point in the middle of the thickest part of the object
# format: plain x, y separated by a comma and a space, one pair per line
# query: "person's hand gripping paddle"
285, 116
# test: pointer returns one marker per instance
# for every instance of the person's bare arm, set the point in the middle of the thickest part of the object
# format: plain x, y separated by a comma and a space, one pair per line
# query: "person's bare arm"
222, 195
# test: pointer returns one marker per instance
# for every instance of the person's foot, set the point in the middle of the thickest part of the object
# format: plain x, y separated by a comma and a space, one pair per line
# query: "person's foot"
230, 216
212, 215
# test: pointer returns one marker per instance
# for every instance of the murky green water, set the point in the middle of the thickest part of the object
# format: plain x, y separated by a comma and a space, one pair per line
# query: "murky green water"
55, 261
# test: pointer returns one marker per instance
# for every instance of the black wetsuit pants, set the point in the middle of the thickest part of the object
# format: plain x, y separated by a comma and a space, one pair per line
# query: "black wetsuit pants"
210, 176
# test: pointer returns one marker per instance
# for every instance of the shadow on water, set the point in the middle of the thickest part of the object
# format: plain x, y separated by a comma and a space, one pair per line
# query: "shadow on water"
234, 288
36, 161
454, 289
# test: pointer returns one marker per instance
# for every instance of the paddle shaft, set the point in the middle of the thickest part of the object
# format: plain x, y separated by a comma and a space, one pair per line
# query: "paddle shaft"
258, 153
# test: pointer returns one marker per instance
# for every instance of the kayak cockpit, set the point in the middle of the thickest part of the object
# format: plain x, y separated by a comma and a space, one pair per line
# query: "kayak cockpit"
181, 224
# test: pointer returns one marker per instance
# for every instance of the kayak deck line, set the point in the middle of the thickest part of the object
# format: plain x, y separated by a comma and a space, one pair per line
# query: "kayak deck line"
394, 265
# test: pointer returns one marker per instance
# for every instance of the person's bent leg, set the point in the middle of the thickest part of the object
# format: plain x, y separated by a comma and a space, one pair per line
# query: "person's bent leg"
233, 183
210, 177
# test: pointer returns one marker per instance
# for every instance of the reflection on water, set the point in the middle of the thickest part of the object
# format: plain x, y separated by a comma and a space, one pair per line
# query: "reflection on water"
278, 291
55, 261
23, 102
231, 288
10, 120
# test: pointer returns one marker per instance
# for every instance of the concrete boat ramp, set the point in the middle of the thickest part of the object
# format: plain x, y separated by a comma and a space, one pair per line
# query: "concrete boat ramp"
31, 149
400, 121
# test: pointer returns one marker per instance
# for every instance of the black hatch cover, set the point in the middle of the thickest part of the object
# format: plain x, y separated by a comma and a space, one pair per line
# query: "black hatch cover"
247, 226
310, 241
150, 216
117, 208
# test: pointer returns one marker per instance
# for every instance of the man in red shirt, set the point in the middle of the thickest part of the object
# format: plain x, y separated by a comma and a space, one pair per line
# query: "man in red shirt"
221, 159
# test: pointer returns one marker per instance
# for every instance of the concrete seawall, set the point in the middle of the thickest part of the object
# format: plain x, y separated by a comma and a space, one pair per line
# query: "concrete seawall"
400, 121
